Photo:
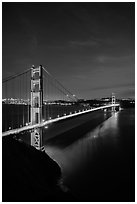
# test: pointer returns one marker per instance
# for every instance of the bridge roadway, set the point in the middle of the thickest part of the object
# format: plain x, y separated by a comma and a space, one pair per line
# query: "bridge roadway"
29, 127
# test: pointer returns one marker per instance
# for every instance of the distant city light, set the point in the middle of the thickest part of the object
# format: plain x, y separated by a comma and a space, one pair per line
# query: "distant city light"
16, 101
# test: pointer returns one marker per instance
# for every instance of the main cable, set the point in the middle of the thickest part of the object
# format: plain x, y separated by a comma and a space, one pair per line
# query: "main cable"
60, 83
14, 76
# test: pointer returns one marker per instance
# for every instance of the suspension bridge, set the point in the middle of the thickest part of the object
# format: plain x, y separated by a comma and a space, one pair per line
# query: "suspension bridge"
34, 99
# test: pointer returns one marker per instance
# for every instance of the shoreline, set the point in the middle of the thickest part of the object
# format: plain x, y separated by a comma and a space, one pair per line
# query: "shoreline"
30, 175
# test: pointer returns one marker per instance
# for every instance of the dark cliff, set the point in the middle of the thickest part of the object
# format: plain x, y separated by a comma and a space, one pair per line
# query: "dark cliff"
29, 175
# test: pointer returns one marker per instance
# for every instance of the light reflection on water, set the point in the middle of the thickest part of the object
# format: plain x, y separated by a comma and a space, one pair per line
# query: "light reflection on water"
100, 165
80, 152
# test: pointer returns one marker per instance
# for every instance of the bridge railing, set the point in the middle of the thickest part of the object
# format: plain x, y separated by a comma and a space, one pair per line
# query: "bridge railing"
45, 123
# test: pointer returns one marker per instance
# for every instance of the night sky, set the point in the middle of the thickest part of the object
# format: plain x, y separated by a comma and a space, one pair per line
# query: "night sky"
88, 47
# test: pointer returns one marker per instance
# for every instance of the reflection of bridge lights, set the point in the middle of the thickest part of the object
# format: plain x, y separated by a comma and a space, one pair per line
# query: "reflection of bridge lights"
95, 136
116, 115
46, 127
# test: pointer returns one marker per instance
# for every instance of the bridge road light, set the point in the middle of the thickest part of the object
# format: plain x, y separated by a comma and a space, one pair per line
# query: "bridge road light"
74, 96
58, 116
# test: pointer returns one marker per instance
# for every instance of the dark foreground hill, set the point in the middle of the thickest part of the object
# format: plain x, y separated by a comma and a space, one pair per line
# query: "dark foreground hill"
29, 175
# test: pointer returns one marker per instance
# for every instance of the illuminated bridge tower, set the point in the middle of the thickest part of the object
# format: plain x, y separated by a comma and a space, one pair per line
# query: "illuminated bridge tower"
113, 101
36, 105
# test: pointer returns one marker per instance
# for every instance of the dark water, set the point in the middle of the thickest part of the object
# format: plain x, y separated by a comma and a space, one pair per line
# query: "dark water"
16, 116
100, 166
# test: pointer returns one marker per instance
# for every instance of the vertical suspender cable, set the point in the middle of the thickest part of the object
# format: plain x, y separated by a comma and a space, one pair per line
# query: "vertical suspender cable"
12, 104
18, 111
6, 125
23, 96
29, 92
26, 118
20, 106
48, 98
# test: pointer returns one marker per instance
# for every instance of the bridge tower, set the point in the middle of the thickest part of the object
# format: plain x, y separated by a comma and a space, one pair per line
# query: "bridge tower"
36, 105
113, 101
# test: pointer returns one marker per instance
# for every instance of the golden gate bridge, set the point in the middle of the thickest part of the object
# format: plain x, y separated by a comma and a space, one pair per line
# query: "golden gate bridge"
34, 98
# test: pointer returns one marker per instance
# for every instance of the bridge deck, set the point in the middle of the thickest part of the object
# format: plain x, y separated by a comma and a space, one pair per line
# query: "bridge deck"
29, 127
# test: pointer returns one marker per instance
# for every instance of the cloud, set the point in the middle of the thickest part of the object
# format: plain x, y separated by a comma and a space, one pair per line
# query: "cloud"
86, 43
80, 76
109, 58
114, 86
28, 29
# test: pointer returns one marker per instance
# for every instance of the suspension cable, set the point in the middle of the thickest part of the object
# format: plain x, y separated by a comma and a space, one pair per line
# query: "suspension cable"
59, 83
14, 76
61, 90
